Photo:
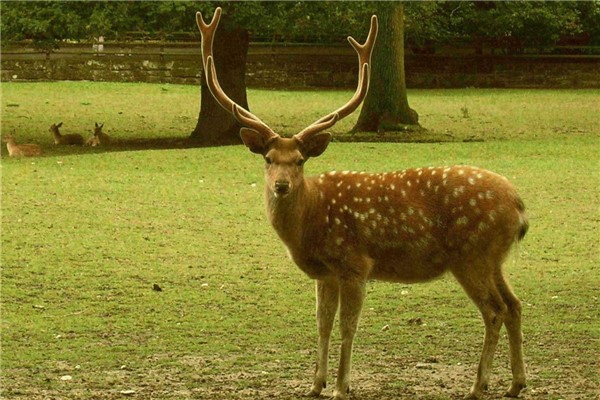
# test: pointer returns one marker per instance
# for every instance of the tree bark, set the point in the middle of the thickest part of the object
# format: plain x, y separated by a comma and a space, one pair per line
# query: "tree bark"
386, 106
215, 125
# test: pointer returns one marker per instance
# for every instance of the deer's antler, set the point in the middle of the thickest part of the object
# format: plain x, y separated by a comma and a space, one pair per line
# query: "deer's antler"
248, 119
242, 115
364, 52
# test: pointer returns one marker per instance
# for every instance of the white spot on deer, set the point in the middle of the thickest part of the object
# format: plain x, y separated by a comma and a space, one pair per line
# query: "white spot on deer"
462, 220
392, 186
345, 172
420, 172
340, 194
339, 241
434, 172
461, 172
358, 184
446, 199
327, 219
422, 192
411, 211
473, 202
444, 175
471, 181
492, 215
386, 198
480, 175
489, 194
408, 183
428, 184
332, 173
349, 187
374, 224
403, 193
482, 226
371, 211
368, 200
337, 221
481, 195
333, 201
457, 191
403, 216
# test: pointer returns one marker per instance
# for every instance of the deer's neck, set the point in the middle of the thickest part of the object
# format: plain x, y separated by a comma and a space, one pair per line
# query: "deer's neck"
288, 214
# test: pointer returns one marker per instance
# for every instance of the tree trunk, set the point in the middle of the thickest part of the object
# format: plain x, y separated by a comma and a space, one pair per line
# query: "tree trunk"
386, 106
216, 126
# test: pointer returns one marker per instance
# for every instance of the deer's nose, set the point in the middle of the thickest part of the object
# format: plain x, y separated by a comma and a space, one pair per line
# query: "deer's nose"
282, 187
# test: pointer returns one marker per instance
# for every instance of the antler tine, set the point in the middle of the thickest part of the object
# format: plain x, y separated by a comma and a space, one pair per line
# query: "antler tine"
242, 115
364, 52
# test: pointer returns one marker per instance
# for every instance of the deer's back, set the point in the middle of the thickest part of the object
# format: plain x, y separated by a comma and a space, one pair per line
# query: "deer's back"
71, 138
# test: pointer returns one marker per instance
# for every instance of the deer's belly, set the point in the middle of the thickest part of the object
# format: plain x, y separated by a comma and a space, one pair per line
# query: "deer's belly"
404, 268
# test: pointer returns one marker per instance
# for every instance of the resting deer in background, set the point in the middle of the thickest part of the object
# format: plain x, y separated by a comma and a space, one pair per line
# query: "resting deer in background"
99, 138
70, 139
21, 150
344, 228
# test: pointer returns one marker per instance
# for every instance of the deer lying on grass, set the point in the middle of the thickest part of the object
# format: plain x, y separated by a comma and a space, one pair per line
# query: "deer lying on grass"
99, 138
21, 150
344, 228
70, 139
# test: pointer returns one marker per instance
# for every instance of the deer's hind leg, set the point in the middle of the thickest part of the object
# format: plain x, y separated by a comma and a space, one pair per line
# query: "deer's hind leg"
327, 297
482, 289
515, 337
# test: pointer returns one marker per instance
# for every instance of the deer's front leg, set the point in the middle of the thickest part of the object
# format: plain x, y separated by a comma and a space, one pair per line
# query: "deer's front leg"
327, 297
352, 294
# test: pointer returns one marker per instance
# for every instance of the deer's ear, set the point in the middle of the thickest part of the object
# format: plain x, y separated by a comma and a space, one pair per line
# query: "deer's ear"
253, 140
315, 145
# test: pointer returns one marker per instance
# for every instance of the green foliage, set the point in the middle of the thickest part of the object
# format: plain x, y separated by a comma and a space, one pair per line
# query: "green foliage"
512, 24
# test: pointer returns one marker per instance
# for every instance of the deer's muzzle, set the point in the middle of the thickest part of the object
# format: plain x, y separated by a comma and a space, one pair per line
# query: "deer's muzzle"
282, 187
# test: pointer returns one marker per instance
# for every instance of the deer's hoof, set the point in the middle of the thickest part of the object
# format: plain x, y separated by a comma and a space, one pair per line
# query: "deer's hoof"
515, 390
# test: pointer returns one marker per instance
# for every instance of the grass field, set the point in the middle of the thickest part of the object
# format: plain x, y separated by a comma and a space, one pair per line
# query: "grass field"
86, 233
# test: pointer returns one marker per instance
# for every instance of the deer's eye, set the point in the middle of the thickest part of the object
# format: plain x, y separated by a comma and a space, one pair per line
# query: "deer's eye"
300, 162
268, 160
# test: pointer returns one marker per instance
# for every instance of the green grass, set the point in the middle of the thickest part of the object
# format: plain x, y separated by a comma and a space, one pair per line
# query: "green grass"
87, 232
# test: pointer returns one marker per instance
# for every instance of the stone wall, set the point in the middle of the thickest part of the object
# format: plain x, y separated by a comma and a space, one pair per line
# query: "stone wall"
295, 66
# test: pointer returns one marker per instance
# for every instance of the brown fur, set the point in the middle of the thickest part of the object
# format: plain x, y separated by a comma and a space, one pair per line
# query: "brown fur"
99, 138
70, 139
344, 228
21, 150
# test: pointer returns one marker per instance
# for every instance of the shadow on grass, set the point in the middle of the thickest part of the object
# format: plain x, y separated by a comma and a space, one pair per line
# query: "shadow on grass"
185, 142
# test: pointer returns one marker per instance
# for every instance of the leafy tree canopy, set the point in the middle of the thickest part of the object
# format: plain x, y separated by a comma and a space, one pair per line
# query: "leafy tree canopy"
518, 23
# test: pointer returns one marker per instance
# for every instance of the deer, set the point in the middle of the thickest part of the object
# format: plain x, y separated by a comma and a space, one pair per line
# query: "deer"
70, 139
21, 150
344, 228
99, 137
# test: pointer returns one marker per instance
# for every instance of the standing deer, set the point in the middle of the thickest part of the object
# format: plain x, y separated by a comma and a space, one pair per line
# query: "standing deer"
70, 139
344, 228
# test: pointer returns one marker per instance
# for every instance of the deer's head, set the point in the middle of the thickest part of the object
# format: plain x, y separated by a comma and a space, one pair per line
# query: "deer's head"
284, 157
